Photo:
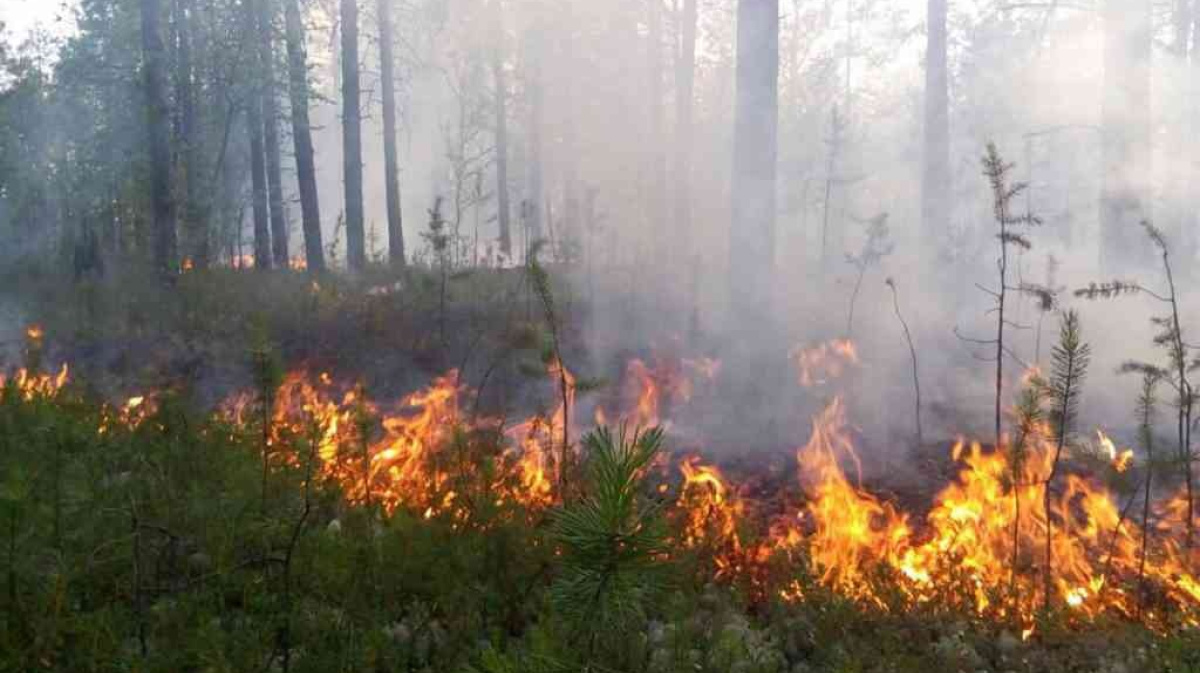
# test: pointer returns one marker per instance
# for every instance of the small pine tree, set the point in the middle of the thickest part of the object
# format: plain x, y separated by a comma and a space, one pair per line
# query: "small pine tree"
613, 540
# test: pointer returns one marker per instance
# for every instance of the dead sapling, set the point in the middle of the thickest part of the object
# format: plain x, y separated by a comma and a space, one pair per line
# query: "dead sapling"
1071, 357
875, 247
540, 280
1180, 361
1009, 234
912, 351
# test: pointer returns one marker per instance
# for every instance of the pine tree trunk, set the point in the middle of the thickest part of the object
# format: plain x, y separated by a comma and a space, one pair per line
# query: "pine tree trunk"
162, 206
258, 169
656, 214
685, 83
195, 224
534, 205
935, 183
1125, 128
306, 173
356, 250
391, 168
270, 107
752, 231
504, 209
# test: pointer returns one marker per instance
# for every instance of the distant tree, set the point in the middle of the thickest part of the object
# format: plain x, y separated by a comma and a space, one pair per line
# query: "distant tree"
756, 121
356, 242
306, 173
500, 94
265, 25
258, 167
391, 169
1125, 130
685, 94
157, 118
935, 182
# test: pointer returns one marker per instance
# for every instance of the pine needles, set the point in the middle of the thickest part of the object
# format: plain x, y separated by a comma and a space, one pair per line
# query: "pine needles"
612, 539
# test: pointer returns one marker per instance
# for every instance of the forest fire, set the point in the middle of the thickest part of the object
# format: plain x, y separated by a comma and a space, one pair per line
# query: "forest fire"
996, 541
981, 547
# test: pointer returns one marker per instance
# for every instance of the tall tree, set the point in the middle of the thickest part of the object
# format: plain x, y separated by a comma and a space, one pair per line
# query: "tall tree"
658, 175
162, 205
258, 168
356, 250
752, 234
390, 161
306, 172
1125, 128
195, 225
685, 85
270, 108
935, 181
500, 82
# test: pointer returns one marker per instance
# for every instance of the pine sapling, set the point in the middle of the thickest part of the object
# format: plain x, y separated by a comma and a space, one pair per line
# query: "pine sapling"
1180, 361
1071, 357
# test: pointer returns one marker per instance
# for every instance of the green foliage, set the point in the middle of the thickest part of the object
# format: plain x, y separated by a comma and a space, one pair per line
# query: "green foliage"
1070, 359
613, 539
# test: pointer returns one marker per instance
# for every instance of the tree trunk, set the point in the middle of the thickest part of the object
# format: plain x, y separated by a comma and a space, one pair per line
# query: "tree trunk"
306, 172
752, 231
270, 106
1125, 128
685, 83
258, 169
534, 205
658, 168
195, 224
356, 250
935, 183
504, 209
390, 163
162, 206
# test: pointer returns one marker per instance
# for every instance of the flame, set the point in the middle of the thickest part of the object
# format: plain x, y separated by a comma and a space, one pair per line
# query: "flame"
1120, 460
30, 386
35, 333
654, 390
820, 364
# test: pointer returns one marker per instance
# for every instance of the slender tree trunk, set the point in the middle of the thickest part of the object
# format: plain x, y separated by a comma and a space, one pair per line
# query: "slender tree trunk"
685, 84
258, 169
935, 184
390, 162
656, 214
752, 230
536, 93
162, 206
195, 224
306, 173
356, 251
270, 107
504, 209
1125, 129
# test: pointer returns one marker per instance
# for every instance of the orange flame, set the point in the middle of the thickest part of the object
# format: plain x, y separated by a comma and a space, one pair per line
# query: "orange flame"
820, 364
